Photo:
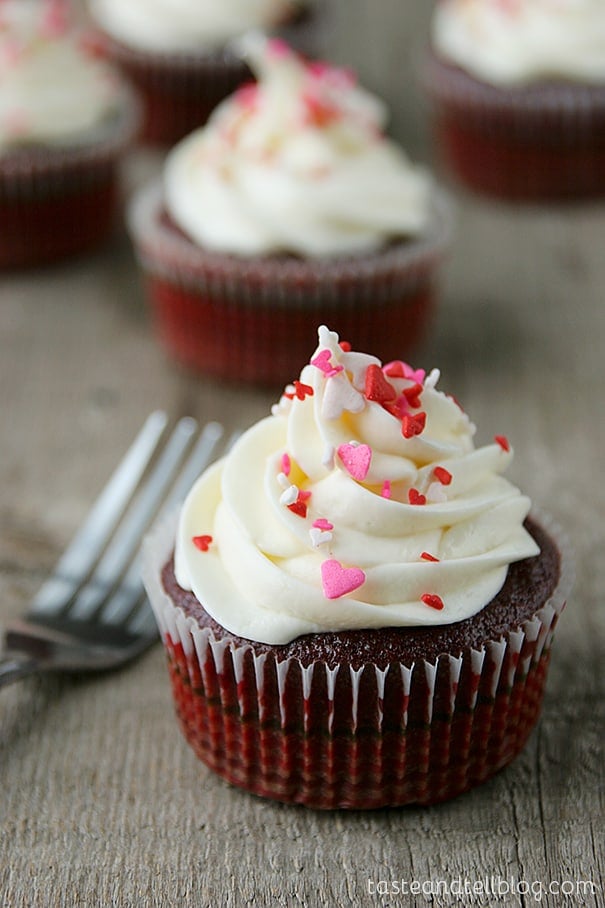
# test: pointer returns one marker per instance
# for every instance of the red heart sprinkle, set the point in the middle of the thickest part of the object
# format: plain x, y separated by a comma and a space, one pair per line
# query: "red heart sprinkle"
412, 425
202, 542
394, 369
432, 600
444, 476
416, 497
426, 556
377, 388
299, 508
345, 345
301, 390
502, 440
412, 395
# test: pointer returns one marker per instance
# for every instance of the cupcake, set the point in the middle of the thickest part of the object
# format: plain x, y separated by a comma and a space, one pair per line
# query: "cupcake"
290, 207
179, 55
65, 120
357, 607
519, 96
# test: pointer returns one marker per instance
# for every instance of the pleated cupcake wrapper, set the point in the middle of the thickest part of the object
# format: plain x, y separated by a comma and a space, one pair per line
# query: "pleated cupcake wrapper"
542, 141
433, 729
58, 201
256, 319
181, 89
23, 173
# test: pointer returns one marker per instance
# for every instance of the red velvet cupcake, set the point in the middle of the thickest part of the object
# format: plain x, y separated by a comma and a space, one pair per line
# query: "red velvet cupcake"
358, 610
65, 121
181, 61
290, 207
518, 91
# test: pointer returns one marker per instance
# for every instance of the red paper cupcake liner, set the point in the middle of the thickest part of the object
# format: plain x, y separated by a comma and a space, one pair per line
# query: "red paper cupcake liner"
179, 91
531, 143
334, 736
58, 202
255, 320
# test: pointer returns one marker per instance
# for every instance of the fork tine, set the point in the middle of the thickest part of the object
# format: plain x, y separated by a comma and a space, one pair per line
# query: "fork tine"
125, 604
94, 534
126, 539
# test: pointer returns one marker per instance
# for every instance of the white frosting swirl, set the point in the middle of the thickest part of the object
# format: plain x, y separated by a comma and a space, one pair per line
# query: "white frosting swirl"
505, 42
51, 88
270, 575
185, 25
297, 163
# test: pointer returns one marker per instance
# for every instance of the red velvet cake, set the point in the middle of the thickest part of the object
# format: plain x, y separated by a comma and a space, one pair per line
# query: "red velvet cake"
289, 208
358, 610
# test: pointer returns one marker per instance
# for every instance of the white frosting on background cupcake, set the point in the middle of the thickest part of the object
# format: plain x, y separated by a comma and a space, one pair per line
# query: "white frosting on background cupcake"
51, 88
297, 162
507, 42
182, 25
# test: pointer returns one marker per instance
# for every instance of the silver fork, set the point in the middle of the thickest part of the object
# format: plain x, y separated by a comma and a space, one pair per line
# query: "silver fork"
92, 612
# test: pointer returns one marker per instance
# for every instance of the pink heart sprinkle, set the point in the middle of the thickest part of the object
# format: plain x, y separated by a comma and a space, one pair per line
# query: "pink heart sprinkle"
322, 362
338, 580
286, 464
356, 460
322, 524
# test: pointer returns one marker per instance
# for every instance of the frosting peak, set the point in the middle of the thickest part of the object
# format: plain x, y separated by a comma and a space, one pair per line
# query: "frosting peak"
505, 42
52, 88
297, 162
360, 502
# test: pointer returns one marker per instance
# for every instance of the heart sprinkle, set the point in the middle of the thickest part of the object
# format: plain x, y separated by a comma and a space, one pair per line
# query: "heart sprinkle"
202, 543
286, 463
426, 556
356, 460
289, 496
339, 581
300, 391
442, 475
322, 524
502, 440
319, 537
322, 362
432, 600
416, 497
412, 395
412, 425
377, 388
386, 489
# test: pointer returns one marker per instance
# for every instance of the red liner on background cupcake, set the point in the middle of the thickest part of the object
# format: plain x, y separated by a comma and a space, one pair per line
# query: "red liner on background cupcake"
531, 143
180, 89
288, 209
393, 650
60, 202
255, 319
518, 92
65, 121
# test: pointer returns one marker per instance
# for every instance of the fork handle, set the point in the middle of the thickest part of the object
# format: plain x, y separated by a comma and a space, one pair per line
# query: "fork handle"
16, 665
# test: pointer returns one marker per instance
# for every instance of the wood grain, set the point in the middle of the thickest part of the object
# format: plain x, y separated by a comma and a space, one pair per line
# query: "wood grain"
102, 801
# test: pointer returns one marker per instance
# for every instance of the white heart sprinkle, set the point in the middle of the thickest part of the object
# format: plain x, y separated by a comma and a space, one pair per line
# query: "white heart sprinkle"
289, 496
319, 537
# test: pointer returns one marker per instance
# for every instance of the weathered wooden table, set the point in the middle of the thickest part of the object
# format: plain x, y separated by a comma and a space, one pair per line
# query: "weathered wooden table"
102, 801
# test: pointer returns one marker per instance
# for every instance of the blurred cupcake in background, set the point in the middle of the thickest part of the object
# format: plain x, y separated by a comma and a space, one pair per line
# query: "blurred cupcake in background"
65, 119
177, 52
519, 95
289, 208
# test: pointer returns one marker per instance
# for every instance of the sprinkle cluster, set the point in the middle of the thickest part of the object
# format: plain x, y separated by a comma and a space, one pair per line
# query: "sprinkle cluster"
351, 381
